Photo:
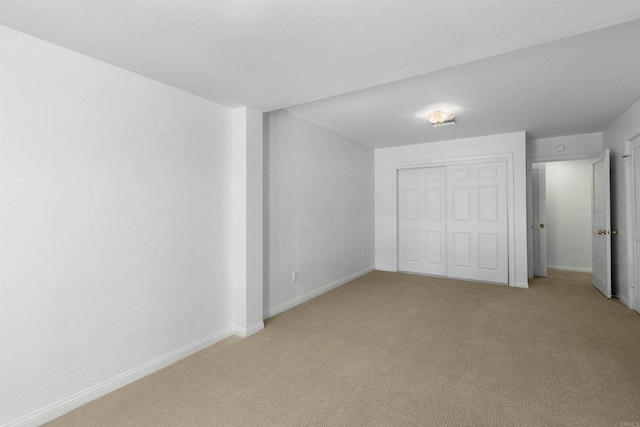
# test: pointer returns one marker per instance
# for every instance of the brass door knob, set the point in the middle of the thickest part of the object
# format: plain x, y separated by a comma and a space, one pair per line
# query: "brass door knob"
614, 232
600, 231
542, 225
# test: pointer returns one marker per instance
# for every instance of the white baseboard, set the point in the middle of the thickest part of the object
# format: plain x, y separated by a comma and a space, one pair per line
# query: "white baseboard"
246, 332
54, 410
314, 293
564, 268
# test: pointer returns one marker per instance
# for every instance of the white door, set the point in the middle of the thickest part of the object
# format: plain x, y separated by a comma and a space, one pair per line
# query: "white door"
634, 297
601, 223
422, 220
477, 231
539, 183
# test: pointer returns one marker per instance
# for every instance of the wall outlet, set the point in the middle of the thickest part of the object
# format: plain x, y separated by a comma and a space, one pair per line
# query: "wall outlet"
294, 277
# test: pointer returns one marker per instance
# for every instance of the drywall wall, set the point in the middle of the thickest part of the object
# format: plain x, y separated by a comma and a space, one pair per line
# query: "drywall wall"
387, 161
115, 219
615, 138
247, 221
571, 146
318, 210
569, 215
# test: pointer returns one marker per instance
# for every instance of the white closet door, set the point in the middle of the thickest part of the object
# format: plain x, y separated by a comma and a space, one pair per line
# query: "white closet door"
477, 222
422, 220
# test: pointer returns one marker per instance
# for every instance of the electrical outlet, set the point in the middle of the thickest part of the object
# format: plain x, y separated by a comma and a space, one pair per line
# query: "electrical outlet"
294, 277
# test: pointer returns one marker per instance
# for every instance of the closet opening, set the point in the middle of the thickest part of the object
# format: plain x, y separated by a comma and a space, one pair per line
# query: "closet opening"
453, 221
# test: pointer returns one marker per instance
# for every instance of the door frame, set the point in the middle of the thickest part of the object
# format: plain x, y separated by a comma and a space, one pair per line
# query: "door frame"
507, 158
631, 270
541, 201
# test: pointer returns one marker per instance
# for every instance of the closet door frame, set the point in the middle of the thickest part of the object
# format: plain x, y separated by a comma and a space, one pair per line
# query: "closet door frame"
507, 158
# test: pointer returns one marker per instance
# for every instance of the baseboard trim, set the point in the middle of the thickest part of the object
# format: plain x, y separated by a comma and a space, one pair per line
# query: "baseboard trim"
246, 332
314, 293
564, 268
78, 399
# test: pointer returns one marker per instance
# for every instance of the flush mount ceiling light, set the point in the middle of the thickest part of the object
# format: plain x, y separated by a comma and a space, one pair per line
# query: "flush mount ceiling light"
441, 118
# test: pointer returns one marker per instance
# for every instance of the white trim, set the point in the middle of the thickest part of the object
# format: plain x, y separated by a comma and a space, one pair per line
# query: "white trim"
507, 158
56, 409
314, 293
563, 158
246, 332
631, 274
565, 268
631, 250
626, 301
530, 162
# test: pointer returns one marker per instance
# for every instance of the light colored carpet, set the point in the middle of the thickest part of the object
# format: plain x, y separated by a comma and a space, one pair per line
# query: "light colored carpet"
393, 349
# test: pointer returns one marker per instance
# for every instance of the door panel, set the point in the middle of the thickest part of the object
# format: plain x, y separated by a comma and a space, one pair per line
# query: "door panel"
488, 250
433, 197
488, 209
422, 220
411, 245
477, 225
435, 243
601, 223
461, 206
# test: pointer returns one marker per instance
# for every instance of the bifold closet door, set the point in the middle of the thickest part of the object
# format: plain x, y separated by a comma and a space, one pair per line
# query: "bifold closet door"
477, 247
422, 220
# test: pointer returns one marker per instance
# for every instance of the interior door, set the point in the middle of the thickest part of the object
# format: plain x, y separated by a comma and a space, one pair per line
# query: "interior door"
634, 297
601, 223
477, 230
539, 184
422, 220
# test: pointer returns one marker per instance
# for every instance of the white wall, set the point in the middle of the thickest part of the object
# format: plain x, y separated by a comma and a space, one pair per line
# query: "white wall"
115, 216
614, 138
247, 222
569, 215
388, 159
319, 210
575, 146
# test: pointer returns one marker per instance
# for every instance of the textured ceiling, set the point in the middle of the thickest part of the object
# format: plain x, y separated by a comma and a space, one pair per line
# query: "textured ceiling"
571, 86
275, 54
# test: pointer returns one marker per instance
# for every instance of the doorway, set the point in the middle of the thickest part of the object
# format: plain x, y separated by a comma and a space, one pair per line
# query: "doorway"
562, 206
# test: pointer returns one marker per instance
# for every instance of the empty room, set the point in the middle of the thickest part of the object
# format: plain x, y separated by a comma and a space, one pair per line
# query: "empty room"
319, 213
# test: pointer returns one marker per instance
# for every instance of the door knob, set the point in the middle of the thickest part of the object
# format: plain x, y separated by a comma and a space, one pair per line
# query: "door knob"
614, 232
600, 231
542, 225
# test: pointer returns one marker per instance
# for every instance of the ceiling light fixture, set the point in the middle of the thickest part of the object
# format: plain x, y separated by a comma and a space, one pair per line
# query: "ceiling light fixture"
441, 118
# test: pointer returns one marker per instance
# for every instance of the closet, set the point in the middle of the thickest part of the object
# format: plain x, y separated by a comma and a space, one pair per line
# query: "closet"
452, 221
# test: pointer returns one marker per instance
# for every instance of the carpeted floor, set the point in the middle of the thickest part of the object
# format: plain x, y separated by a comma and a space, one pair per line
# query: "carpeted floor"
392, 349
